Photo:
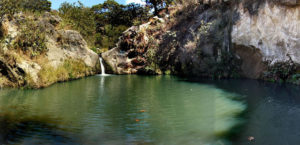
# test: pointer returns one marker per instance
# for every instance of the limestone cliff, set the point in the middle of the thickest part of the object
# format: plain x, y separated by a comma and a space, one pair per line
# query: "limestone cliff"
36, 52
270, 36
253, 39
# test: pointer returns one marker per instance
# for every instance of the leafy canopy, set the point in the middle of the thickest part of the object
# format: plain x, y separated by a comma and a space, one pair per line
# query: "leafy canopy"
158, 4
80, 18
11, 7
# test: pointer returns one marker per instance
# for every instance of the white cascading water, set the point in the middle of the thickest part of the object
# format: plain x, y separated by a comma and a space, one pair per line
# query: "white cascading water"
102, 66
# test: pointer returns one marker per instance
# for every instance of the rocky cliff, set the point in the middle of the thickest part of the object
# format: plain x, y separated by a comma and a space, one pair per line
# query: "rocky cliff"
253, 39
36, 52
267, 39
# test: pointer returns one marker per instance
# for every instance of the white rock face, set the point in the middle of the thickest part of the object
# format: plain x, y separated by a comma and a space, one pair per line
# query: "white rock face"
77, 49
275, 31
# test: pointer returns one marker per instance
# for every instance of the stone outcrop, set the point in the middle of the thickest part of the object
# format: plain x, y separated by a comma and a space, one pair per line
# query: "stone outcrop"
217, 38
129, 57
187, 41
66, 55
274, 32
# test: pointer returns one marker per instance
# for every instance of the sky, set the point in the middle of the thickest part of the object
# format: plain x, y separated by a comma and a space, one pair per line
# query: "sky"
56, 3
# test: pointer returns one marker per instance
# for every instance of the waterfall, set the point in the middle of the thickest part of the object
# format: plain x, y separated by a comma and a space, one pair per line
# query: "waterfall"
102, 66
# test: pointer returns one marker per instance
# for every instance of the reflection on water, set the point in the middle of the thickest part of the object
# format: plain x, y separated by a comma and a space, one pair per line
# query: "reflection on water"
273, 112
118, 110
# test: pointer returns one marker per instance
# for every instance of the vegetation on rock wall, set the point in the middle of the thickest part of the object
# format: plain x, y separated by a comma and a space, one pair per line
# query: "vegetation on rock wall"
282, 72
190, 39
31, 38
201, 46
70, 69
158, 4
10, 7
112, 19
102, 24
30, 43
80, 18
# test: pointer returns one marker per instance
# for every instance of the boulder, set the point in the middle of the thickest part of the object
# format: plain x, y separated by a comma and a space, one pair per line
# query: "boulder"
66, 54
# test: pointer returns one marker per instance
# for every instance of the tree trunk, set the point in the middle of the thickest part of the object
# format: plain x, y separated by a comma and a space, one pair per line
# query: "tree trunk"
155, 10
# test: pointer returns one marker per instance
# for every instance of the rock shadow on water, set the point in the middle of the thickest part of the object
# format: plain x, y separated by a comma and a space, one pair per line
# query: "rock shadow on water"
18, 128
233, 96
272, 111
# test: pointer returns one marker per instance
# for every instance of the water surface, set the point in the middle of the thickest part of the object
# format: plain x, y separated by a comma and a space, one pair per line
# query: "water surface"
151, 110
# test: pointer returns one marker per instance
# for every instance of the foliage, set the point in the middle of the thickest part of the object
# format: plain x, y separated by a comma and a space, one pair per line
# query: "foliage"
80, 18
110, 12
70, 69
3, 80
32, 38
136, 14
110, 35
3, 32
102, 24
11, 7
76, 68
202, 33
36, 5
158, 4
281, 71
204, 27
112, 19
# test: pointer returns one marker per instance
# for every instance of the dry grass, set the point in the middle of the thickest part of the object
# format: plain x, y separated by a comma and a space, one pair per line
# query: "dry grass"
3, 31
3, 82
70, 69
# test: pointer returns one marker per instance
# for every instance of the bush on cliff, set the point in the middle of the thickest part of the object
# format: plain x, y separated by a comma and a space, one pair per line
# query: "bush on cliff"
78, 17
157, 5
282, 72
70, 69
11, 7
112, 19
102, 24
31, 39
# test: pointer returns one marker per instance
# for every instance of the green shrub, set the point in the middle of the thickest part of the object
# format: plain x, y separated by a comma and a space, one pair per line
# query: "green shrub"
70, 69
281, 71
2, 81
11, 7
111, 35
76, 68
80, 18
32, 38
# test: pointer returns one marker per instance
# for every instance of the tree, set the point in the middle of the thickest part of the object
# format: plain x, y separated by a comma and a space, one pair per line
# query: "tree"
159, 4
36, 5
110, 12
80, 18
136, 13
155, 4
11, 7
112, 19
